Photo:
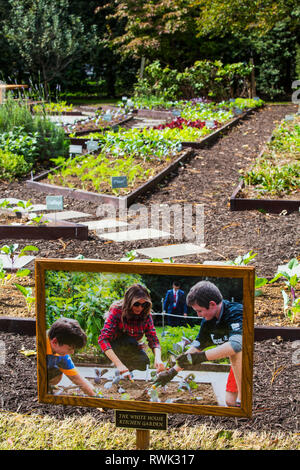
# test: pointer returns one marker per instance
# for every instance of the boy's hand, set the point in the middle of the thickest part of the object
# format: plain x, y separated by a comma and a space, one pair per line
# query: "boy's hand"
125, 374
188, 359
165, 377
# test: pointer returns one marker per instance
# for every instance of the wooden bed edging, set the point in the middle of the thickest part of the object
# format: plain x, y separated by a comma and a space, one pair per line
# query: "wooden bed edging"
275, 206
51, 231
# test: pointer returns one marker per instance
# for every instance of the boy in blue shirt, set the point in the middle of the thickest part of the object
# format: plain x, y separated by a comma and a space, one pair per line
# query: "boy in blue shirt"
63, 338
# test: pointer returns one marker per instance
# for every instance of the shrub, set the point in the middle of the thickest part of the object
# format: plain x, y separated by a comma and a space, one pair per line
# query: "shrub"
13, 165
204, 78
47, 136
19, 142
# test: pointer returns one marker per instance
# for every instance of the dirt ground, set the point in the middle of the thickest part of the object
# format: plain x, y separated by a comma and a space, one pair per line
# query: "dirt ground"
209, 178
139, 390
276, 404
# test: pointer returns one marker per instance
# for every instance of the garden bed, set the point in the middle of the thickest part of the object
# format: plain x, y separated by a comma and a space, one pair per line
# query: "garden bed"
40, 183
240, 202
17, 227
137, 390
49, 231
84, 128
272, 183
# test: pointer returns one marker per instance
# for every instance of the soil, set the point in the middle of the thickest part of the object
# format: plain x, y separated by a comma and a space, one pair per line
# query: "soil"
276, 403
139, 390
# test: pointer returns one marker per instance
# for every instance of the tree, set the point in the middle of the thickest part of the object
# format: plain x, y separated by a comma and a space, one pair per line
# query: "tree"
219, 17
162, 30
47, 37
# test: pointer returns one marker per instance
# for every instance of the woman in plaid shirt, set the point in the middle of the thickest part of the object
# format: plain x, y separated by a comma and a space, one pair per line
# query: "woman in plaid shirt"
127, 322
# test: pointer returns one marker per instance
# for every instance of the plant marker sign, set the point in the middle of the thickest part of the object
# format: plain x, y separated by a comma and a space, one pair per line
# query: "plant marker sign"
75, 149
92, 146
55, 203
119, 182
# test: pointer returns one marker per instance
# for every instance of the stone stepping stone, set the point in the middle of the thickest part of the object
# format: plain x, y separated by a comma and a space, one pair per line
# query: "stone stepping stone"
33, 208
132, 235
104, 223
65, 215
66, 119
169, 251
11, 200
217, 263
18, 263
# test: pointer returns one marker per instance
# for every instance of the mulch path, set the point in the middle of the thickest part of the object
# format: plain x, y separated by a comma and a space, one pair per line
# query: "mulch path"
209, 178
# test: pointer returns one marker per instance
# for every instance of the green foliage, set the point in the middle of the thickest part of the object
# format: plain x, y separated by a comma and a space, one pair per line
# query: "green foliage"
85, 297
204, 78
274, 180
277, 171
244, 260
14, 114
47, 36
13, 165
36, 138
173, 335
53, 108
291, 273
19, 142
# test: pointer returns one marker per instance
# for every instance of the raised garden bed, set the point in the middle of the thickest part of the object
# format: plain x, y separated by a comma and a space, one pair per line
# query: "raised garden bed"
120, 202
49, 231
91, 126
168, 115
240, 203
40, 183
140, 390
217, 133
272, 184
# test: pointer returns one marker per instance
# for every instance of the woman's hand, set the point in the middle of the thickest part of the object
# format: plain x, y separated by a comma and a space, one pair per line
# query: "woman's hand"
158, 363
159, 366
124, 372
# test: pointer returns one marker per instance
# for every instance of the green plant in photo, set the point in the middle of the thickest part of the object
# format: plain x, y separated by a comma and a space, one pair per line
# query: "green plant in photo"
85, 297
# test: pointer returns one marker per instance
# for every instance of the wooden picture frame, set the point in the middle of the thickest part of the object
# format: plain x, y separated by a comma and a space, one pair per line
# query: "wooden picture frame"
192, 273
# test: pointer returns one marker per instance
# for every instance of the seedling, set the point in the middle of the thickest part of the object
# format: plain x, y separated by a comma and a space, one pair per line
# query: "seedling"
244, 260
12, 252
291, 273
27, 293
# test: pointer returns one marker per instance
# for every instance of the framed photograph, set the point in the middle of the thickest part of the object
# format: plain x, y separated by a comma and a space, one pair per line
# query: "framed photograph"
151, 337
